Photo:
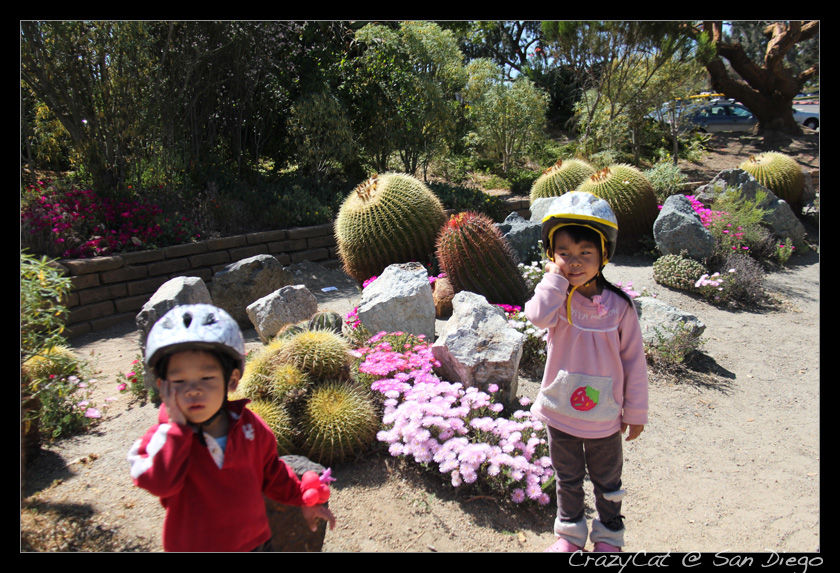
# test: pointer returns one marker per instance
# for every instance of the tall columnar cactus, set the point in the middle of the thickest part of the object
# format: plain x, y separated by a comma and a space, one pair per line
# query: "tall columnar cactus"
476, 258
631, 196
560, 178
339, 421
779, 173
390, 218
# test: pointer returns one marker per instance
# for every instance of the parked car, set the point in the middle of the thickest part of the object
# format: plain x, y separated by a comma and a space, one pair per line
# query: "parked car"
721, 115
809, 119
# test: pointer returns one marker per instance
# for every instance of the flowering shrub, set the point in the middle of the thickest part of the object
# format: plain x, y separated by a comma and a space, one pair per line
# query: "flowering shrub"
459, 430
80, 223
65, 404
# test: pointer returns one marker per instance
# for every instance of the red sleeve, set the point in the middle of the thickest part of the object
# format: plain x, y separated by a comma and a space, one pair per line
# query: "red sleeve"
159, 460
279, 480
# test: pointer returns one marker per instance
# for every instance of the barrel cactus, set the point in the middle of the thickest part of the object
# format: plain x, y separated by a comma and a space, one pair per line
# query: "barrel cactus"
678, 271
476, 257
560, 178
390, 218
320, 353
277, 418
779, 173
327, 320
339, 421
631, 196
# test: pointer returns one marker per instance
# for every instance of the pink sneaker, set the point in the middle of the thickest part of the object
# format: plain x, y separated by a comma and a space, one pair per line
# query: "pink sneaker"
603, 547
563, 546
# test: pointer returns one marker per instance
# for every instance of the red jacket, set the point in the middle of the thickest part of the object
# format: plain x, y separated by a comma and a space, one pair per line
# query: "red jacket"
209, 508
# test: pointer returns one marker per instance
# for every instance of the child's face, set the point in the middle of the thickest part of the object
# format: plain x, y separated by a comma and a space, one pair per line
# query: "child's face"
578, 262
196, 380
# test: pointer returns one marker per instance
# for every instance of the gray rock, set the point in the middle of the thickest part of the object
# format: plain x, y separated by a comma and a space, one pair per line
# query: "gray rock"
241, 283
678, 228
275, 310
172, 293
400, 299
289, 530
780, 218
522, 235
478, 347
662, 321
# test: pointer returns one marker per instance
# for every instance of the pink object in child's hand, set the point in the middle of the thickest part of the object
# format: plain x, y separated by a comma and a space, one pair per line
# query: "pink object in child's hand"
315, 489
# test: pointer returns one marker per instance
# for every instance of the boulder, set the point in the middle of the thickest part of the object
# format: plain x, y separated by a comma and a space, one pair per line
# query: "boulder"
661, 321
241, 283
286, 305
780, 218
522, 235
400, 299
289, 530
478, 347
172, 293
679, 228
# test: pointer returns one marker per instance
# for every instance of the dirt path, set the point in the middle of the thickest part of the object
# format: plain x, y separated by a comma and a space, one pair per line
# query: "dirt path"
729, 462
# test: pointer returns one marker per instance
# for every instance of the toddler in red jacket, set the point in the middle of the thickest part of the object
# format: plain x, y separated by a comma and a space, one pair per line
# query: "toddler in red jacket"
211, 460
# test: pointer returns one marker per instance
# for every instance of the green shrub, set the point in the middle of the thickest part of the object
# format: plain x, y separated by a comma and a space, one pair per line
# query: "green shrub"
667, 179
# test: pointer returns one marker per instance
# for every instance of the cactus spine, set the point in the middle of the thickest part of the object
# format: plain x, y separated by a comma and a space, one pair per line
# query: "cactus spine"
631, 196
779, 173
390, 218
320, 353
475, 257
279, 421
560, 178
677, 271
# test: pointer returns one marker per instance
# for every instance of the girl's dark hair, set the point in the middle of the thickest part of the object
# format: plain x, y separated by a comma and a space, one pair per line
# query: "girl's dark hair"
227, 363
579, 234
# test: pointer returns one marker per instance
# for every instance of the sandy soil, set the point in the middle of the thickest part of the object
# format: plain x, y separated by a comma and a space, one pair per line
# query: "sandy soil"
729, 462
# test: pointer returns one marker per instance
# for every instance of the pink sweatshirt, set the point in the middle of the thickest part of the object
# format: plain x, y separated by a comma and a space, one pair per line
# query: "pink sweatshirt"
596, 373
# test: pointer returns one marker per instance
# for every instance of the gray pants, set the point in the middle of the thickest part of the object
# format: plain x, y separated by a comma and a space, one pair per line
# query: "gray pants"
603, 458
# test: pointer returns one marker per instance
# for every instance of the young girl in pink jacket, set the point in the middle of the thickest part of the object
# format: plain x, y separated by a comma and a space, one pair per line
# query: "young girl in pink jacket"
595, 384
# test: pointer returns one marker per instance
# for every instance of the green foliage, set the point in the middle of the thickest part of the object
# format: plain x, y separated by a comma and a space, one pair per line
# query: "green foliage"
321, 133
673, 348
43, 290
666, 178
460, 198
390, 218
739, 226
339, 422
678, 271
631, 197
560, 178
779, 173
506, 116
476, 258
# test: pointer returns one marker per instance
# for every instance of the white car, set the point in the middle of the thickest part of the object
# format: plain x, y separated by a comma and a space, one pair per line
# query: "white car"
809, 119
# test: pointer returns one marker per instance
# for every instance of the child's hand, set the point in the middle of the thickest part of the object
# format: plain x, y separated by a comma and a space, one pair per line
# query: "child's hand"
553, 268
315, 512
635, 430
176, 416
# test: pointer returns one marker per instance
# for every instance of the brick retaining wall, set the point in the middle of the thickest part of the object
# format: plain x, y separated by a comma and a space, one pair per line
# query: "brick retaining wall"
112, 290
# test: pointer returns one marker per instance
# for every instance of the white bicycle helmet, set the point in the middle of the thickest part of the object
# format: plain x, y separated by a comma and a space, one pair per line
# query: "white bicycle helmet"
195, 327
585, 209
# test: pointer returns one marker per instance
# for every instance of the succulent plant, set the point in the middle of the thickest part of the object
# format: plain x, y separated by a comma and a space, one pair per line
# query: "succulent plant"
279, 421
631, 197
339, 421
326, 320
476, 257
320, 353
678, 271
55, 360
390, 218
779, 173
560, 178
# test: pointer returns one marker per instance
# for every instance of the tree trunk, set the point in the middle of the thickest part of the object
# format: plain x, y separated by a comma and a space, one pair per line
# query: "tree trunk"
768, 89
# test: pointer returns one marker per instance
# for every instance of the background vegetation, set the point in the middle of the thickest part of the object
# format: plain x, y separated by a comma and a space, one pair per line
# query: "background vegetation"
142, 133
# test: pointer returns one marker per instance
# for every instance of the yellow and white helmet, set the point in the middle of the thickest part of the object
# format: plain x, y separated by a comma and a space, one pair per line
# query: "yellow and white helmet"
585, 209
